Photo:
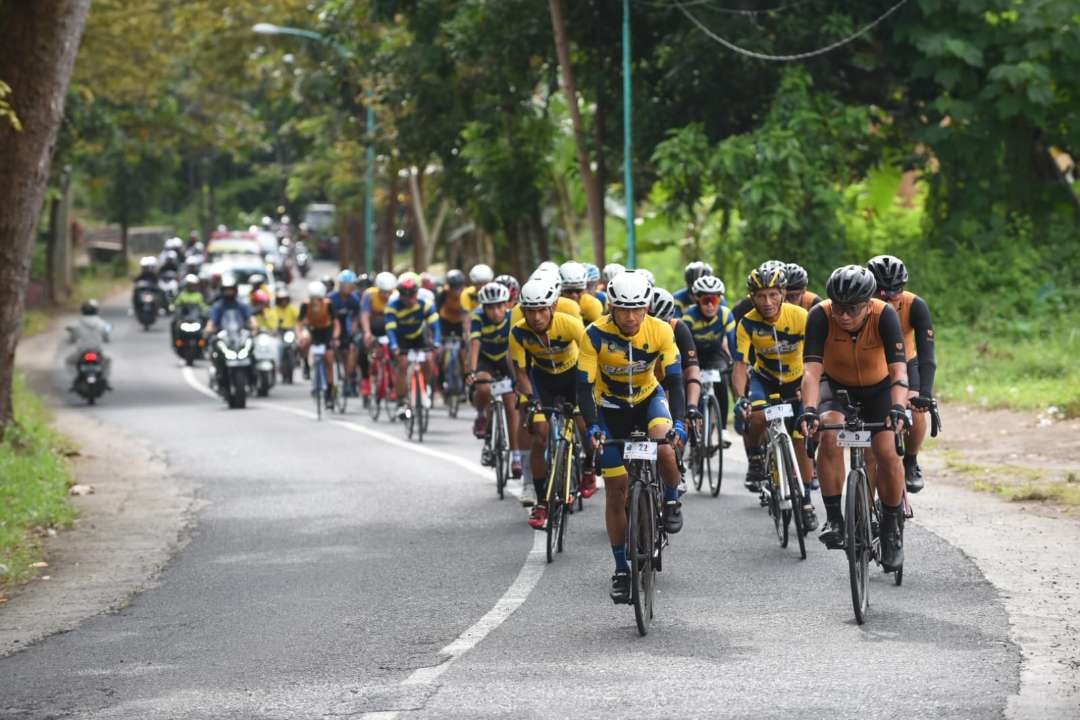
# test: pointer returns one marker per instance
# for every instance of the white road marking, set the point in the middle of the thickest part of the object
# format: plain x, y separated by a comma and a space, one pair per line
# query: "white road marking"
514, 597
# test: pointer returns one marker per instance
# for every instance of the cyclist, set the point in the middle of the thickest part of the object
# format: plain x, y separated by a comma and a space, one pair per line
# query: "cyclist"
796, 292
745, 305
776, 330
452, 313
409, 321
346, 304
282, 314
684, 298
610, 271
544, 347
319, 326
713, 328
616, 370
513, 286
891, 276
373, 320
592, 274
663, 307
854, 343
480, 275
574, 278
489, 360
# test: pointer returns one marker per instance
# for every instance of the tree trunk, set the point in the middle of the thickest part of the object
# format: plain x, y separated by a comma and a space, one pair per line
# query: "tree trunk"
38, 44
421, 239
595, 199
388, 232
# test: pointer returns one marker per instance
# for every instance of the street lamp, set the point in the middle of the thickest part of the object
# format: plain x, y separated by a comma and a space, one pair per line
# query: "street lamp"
369, 202
628, 142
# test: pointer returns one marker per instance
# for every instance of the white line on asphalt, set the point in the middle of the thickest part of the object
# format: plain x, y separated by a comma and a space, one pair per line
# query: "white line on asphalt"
514, 597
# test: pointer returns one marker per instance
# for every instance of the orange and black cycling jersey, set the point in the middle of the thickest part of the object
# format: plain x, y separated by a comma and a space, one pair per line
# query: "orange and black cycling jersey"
858, 359
809, 300
918, 329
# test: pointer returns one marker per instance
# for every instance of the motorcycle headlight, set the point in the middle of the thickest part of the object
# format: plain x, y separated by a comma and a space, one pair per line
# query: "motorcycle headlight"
289, 337
190, 326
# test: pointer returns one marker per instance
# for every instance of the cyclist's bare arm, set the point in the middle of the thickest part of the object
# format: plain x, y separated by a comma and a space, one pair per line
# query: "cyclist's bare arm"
474, 356
740, 374
523, 383
693, 389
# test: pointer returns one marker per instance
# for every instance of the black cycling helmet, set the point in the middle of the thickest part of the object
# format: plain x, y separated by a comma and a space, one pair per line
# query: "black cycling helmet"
456, 279
851, 284
90, 307
770, 274
695, 270
796, 276
889, 272
328, 281
363, 281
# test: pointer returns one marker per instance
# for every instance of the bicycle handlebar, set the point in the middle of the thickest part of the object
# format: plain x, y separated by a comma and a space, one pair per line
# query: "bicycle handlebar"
811, 443
931, 405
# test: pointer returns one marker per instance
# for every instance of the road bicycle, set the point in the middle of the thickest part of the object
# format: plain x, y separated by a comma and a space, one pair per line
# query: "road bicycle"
418, 403
862, 540
497, 441
382, 379
706, 438
453, 380
783, 494
645, 534
564, 474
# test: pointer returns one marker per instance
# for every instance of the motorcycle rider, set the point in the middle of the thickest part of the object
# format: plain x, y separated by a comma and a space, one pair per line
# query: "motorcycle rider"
226, 302
89, 335
189, 300
147, 280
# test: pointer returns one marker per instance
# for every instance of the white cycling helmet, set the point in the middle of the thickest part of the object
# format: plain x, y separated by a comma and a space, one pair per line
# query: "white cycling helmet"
662, 304
481, 274
574, 276
547, 265
494, 293
316, 290
148, 263
611, 270
191, 279
708, 285
538, 292
629, 290
174, 243
548, 274
386, 281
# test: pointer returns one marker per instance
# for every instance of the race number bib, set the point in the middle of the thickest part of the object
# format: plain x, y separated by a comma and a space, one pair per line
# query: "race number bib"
853, 438
502, 387
778, 412
710, 376
640, 450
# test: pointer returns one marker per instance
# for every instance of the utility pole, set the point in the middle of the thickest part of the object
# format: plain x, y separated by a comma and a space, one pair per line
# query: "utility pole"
628, 140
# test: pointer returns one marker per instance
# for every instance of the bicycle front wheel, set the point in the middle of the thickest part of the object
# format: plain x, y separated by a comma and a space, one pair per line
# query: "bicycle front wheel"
714, 447
377, 390
498, 444
341, 387
641, 542
859, 542
794, 487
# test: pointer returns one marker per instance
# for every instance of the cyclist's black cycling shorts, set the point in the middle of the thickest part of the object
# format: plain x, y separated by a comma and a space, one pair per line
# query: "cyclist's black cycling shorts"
448, 328
496, 368
874, 401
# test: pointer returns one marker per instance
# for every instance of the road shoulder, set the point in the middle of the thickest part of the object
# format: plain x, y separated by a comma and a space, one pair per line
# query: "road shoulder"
136, 519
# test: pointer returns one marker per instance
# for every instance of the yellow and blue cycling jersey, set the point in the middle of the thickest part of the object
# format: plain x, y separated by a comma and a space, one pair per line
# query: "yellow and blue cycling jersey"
373, 302
709, 333
591, 308
565, 305
470, 299
494, 337
621, 369
554, 353
684, 300
777, 346
408, 322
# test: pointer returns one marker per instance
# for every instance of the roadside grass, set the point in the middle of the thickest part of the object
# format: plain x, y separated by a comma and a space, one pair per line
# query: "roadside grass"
1035, 371
34, 482
1016, 483
96, 281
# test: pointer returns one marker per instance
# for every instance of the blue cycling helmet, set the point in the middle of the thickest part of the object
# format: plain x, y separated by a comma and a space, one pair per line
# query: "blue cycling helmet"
592, 273
347, 276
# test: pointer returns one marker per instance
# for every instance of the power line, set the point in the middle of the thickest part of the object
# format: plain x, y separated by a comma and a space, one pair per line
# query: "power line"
787, 58
731, 11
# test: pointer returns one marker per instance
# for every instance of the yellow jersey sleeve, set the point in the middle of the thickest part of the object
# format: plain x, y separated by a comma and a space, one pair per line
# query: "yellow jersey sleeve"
591, 308
742, 343
470, 299
569, 307
588, 358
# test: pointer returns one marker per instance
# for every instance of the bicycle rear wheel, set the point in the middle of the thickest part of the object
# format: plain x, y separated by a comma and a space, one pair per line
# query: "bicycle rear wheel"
697, 459
318, 386
641, 542
859, 542
341, 388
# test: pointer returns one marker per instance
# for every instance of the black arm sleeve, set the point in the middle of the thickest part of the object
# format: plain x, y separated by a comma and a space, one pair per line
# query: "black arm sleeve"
817, 329
684, 340
892, 337
924, 346
676, 395
585, 400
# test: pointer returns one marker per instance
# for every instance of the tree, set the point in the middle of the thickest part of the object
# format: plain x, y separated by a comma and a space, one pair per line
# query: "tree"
38, 43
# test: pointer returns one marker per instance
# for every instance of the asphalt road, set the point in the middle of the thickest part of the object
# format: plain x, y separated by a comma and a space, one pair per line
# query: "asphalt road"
335, 572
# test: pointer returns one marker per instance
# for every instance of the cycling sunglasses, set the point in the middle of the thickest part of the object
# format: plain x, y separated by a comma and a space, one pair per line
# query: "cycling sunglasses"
889, 294
709, 299
849, 310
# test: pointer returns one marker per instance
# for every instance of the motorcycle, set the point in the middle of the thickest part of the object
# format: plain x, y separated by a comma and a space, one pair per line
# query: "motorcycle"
190, 344
90, 381
266, 355
303, 260
289, 356
231, 375
146, 304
